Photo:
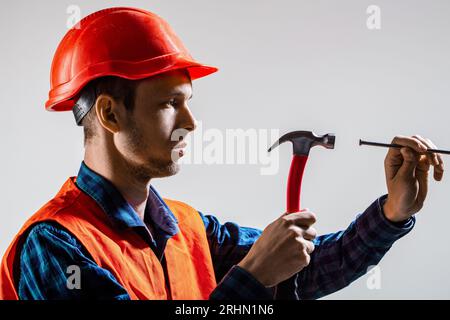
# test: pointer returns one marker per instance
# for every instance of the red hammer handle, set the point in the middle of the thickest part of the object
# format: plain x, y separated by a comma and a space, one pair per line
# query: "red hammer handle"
294, 186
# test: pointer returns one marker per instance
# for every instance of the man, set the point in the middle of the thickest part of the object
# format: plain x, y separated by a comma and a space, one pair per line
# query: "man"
127, 78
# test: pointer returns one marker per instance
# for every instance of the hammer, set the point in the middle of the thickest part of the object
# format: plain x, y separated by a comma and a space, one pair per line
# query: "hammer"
302, 142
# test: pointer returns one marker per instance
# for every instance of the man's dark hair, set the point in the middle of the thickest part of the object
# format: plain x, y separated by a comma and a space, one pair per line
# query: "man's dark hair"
119, 88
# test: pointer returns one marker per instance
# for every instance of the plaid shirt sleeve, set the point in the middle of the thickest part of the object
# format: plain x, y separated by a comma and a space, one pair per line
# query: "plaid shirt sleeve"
341, 258
47, 253
338, 259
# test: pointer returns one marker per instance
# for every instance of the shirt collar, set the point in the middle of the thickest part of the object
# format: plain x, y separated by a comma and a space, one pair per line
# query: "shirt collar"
158, 211
119, 210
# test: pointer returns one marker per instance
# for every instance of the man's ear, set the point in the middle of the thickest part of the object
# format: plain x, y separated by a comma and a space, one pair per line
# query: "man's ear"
108, 112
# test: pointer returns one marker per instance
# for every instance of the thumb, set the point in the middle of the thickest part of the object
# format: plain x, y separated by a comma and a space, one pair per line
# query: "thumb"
288, 213
409, 164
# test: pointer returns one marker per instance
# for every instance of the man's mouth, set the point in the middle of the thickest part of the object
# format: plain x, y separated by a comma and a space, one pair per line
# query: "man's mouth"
181, 145
180, 149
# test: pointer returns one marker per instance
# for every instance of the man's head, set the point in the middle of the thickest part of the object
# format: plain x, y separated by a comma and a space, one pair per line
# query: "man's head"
138, 121
131, 121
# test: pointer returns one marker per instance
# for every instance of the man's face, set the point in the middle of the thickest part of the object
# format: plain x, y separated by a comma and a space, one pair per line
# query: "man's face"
145, 139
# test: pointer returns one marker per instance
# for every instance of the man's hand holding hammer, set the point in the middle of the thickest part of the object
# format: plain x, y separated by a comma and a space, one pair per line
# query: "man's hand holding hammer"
285, 246
283, 249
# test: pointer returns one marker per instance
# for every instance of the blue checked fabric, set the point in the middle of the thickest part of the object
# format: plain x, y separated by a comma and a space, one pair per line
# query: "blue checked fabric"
338, 259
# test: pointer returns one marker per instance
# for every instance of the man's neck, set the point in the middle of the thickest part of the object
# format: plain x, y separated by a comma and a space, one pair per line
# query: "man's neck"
134, 191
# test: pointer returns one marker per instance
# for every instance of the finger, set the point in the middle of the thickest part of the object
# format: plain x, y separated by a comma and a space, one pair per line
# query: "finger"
439, 168
422, 179
309, 246
411, 142
289, 213
392, 163
424, 163
439, 172
432, 156
309, 233
410, 160
302, 219
395, 160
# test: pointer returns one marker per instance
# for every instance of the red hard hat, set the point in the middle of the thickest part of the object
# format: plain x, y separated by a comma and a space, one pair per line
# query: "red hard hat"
124, 42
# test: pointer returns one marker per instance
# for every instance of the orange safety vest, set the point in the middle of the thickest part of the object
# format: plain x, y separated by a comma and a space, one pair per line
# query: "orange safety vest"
123, 252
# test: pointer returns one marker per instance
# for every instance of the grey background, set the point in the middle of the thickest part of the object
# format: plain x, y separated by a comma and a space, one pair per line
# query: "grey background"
309, 65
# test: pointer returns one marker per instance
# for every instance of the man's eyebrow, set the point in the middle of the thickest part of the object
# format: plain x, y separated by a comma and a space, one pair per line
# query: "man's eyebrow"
178, 93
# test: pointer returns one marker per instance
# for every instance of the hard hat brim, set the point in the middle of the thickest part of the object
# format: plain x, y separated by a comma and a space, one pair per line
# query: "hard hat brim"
62, 97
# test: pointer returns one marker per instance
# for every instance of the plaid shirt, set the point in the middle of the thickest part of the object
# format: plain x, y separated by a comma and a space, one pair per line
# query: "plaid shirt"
338, 259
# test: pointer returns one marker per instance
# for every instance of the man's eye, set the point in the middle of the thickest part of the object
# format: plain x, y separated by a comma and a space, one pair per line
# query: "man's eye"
173, 102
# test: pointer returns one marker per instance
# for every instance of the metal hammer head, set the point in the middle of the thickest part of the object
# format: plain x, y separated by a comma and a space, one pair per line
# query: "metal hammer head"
303, 141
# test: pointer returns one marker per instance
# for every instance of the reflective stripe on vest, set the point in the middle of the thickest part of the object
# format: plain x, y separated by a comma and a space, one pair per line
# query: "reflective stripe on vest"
123, 252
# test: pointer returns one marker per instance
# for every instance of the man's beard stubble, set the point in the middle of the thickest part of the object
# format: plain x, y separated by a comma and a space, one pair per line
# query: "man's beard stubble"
151, 167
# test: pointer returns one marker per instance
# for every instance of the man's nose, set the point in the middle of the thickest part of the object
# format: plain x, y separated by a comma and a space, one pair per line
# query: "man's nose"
188, 120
